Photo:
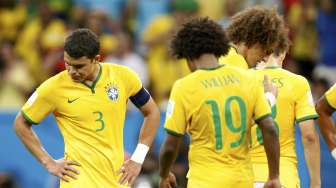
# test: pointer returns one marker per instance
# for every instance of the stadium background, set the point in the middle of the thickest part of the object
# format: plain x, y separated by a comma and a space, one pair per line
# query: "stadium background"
136, 33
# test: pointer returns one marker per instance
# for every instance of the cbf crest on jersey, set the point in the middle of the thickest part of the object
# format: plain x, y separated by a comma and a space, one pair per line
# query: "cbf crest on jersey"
112, 92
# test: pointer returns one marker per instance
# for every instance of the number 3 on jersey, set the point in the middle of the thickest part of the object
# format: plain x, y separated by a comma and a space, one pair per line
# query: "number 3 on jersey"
241, 129
100, 120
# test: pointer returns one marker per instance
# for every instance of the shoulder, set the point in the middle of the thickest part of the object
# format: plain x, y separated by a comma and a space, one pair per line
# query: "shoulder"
111, 67
331, 90
298, 79
54, 81
243, 73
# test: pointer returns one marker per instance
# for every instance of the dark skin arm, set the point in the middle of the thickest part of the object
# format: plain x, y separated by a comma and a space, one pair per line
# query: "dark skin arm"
272, 149
326, 122
61, 167
168, 154
131, 169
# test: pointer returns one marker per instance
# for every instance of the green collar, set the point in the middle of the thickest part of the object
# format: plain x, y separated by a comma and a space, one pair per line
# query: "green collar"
272, 67
212, 68
96, 80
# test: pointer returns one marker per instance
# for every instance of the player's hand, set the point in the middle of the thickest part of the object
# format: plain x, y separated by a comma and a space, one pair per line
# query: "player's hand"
169, 182
273, 183
269, 86
130, 171
63, 168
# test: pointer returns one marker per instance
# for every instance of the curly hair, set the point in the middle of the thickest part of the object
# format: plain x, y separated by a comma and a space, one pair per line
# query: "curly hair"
82, 42
256, 25
283, 43
199, 36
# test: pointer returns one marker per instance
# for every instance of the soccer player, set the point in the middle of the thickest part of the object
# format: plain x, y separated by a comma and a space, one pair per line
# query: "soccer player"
88, 101
294, 104
215, 105
254, 34
325, 107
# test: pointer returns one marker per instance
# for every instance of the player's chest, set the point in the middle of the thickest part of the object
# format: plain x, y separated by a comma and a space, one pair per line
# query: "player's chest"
82, 101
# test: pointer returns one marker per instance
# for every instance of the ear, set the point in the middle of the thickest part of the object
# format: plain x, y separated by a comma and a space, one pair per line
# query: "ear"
97, 58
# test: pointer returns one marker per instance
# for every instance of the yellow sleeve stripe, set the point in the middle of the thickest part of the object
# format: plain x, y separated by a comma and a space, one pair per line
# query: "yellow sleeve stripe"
326, 99
263, 117
173, 133
26, 117
315, 116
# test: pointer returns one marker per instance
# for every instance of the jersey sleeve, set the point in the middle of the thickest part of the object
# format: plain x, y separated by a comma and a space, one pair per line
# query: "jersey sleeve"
38, 106
330, 97
132, 81
262, 107
176, 122
304, 104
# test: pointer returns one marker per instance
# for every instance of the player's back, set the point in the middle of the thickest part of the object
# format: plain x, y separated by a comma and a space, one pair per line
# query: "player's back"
218, 106
294, 104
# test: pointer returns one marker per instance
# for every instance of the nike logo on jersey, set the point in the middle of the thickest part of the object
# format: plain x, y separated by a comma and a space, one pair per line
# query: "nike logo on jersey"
73, 100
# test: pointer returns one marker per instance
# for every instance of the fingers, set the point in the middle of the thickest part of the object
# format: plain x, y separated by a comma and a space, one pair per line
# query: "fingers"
69, 174
173, 182
65, 171
121, 170
69, 168
266, 79
72, 163
124, 179
132, 179
64, 178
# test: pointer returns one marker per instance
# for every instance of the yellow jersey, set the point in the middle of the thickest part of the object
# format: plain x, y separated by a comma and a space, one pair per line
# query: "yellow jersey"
330, 97
215, 108
233, 59
91, 120
294, 104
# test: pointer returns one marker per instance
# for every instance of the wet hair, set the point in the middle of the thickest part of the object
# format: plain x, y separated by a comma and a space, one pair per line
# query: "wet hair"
197, 37
256, 25
82, 42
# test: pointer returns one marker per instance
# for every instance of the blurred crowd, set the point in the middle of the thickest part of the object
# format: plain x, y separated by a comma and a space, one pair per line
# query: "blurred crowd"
136, 33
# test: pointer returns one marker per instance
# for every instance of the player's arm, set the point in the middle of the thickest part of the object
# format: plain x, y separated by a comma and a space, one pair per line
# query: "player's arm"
168, 154
61, 168
262, 114
311, 145
326, 124
271, 145
38, 106
175, 126
151, 113
151, 122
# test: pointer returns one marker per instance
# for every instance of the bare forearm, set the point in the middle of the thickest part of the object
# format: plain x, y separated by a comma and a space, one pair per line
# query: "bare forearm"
272, 149
312, 155
149, 128
167, 158
31, 141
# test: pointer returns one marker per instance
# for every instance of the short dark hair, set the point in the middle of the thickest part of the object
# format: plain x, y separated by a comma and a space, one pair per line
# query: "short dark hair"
199, 36
256, 25
82, 42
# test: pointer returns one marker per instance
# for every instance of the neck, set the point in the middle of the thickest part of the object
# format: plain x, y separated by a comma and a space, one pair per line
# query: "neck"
206, 61
274, 61
94, 75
